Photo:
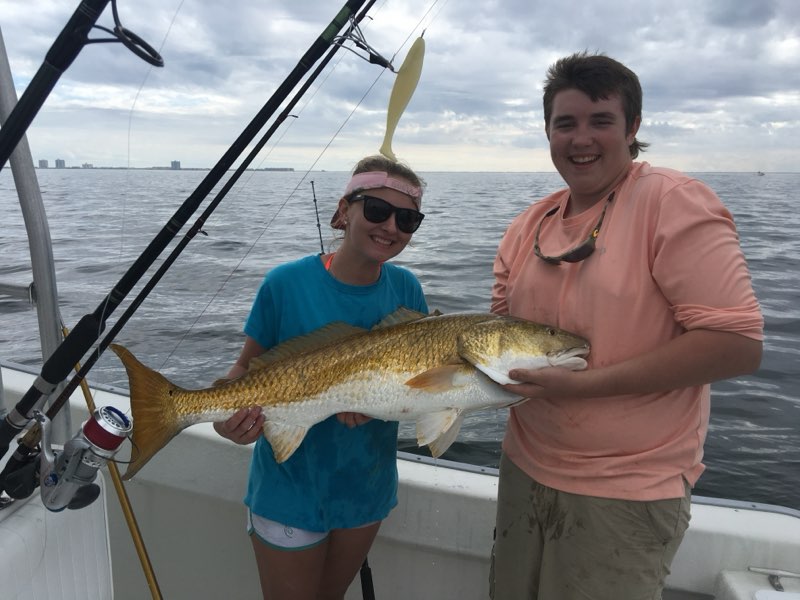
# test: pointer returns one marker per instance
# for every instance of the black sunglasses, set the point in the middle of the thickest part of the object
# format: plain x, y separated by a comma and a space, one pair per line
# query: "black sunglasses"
377, 210
580, 252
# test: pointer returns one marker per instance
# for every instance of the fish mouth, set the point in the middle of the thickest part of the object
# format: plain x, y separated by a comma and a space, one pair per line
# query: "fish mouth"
571, 358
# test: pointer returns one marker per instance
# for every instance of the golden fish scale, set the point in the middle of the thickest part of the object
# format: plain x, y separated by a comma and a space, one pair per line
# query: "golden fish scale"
410, 347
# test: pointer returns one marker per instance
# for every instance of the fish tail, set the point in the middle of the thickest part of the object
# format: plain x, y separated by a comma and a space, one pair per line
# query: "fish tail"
155, 422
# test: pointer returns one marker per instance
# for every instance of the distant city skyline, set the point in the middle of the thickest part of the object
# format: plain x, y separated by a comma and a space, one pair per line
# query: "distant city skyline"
174, 165
60, 163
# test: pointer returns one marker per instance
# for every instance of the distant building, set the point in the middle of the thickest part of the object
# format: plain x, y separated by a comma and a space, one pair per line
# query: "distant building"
87, 166
43, 164
175, 165
60, 164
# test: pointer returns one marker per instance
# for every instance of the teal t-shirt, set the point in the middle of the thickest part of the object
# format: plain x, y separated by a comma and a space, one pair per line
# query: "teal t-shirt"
338, 477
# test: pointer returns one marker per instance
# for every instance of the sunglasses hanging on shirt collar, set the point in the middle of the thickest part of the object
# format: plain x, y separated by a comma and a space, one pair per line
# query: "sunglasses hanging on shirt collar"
580, 252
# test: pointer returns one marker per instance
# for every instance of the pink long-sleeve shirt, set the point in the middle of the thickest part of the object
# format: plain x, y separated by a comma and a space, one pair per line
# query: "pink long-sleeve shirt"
667, 261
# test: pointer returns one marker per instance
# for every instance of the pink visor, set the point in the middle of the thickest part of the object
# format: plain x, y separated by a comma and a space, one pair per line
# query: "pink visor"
372, 180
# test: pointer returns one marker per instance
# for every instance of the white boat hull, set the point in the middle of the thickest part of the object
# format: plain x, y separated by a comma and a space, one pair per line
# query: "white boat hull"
55, 555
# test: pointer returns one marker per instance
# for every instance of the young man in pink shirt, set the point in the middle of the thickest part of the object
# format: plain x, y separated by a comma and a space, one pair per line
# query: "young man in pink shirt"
645, 263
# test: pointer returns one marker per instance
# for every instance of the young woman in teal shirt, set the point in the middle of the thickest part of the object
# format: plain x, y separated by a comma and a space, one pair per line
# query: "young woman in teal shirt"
313, 518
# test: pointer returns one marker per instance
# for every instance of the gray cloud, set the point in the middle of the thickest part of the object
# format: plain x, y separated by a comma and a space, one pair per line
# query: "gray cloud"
717, 75
744, 14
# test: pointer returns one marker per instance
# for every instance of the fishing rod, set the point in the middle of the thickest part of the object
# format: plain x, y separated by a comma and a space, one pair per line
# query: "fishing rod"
87, 331
65, 49
316, 212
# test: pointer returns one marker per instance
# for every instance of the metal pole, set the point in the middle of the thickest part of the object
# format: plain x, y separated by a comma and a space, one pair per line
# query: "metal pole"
41, 249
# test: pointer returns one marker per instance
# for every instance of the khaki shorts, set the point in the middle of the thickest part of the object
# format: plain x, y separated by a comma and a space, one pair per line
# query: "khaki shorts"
552, 545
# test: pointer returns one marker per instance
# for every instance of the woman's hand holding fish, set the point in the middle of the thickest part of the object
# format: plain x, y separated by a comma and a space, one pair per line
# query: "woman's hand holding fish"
243, 427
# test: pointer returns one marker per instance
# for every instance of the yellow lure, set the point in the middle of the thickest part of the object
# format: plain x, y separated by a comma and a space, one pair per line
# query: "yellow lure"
403, 89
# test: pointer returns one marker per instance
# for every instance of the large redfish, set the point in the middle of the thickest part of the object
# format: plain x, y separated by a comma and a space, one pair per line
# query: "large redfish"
430, 369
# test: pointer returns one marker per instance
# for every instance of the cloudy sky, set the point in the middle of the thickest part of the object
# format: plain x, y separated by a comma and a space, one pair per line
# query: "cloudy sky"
721, 81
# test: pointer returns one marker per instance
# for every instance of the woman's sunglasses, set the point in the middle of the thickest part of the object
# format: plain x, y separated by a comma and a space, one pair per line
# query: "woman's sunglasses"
377, 210
580, 252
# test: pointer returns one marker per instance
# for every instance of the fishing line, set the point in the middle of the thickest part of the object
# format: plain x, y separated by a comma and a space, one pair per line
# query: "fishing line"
128, 140
146, 77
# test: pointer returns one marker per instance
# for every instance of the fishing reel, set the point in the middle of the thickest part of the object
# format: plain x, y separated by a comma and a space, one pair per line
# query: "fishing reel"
66, 477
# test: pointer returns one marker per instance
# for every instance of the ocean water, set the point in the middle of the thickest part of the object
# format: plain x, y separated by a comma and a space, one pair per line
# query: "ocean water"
189, 327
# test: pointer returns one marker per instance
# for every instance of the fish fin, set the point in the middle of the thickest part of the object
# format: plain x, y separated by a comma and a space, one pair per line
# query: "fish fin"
440, 445
333, 333
401, 315
402, 90
155, 422
439, 379
284, 438
439, 429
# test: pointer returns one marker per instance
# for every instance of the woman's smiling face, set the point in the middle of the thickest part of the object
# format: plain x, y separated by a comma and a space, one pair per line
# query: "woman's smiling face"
378, 241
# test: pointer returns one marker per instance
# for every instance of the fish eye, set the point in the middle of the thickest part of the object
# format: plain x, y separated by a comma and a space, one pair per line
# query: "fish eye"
551, 331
